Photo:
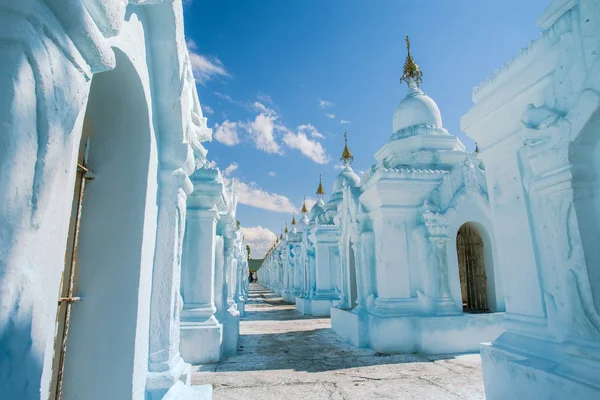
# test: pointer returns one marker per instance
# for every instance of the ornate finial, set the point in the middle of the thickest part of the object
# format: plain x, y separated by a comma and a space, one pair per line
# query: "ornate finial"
476, 148
304, 208
320, 190
293, 219
347, 157
412, 74
286, 228
281, 235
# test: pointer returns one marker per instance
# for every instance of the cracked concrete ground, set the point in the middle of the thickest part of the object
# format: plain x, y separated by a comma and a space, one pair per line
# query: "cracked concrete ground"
285, 355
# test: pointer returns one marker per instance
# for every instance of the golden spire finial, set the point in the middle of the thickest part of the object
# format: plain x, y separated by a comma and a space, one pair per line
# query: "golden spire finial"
281, 235
413, 76
476, 148
304, 208
286, 228
347, 157
293, 219
320, 190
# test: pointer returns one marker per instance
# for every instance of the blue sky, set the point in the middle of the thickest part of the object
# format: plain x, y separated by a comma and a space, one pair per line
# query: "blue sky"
280, 82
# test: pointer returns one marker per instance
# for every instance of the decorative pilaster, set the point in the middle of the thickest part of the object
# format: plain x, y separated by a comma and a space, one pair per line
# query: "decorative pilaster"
297, 252
201, 332
165, 365
358, 257
558, 176
437, 231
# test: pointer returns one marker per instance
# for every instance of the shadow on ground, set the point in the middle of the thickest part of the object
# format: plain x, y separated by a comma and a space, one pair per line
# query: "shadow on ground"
282, 353
274, 336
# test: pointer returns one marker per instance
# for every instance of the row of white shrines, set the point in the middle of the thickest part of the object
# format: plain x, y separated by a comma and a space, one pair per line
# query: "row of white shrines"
439, 251
121, 261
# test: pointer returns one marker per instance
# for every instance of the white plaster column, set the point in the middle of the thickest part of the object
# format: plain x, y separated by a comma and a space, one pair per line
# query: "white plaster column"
230, 315
241, 286
232, 277
165, 365
297, 251
311, 271
220, 281
437, 235
285, 276
444, 304
201, 333
359, 267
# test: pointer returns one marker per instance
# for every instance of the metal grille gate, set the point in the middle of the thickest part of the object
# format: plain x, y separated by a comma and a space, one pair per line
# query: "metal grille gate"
471, 266
67, 291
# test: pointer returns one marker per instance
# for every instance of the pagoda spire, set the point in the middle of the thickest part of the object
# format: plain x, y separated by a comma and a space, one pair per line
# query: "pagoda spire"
412, 75
320, 190
347, 157
304, 208
293, 219
286, 228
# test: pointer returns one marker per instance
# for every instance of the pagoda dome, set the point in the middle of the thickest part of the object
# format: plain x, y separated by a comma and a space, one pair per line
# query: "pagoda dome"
416, 109
348, 175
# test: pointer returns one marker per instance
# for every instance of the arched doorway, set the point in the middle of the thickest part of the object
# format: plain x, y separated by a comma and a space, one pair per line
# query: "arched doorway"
110, 244
584, 154
472, 269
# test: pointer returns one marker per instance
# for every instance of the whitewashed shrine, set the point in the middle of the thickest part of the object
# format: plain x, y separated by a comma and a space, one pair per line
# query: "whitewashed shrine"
538, 120
405, 256
100, 151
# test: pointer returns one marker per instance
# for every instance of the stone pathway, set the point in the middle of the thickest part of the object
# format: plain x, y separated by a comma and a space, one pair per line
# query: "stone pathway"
286, 356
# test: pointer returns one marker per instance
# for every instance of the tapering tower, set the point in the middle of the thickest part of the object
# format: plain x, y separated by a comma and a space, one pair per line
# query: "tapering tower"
347, 157
416, 109
320, 190
418, 136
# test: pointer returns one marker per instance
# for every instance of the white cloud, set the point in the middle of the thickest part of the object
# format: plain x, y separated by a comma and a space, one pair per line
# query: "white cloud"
310, 148
325, 103
230, 169
226, 133
205, 68
267, 132
343, 121
265, 98
262, 132
252, 195
261, 108
259, 239
207, 109
331, 116
272, 174
311, 130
